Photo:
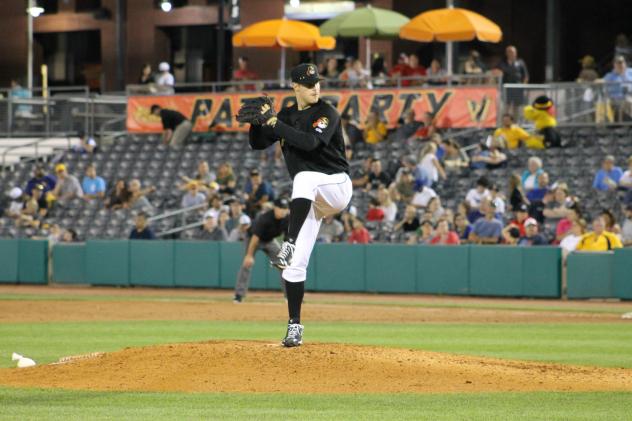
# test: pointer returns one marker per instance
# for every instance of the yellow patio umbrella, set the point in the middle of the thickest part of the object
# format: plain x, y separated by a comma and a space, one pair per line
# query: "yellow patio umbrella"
283, 33
449, 25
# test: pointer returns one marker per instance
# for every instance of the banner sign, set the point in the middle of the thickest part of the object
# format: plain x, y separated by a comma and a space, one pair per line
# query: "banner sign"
458, 106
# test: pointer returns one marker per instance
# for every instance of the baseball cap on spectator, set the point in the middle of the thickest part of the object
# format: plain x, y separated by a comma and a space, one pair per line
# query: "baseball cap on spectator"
254, 172
15, 193
521, 208
164, 66
542, 102
530, 221
619, 59
232, 199
282, 203
244, 220
60, 167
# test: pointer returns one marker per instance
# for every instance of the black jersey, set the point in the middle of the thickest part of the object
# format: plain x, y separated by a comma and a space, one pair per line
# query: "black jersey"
318, 125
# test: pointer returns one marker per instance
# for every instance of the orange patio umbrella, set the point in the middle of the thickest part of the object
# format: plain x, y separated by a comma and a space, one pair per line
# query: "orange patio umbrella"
448, 25
283, 33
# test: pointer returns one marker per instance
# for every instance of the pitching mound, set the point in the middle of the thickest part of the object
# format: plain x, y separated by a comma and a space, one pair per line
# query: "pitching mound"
246, 366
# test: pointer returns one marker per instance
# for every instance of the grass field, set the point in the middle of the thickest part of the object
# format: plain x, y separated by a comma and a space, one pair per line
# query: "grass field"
594, 344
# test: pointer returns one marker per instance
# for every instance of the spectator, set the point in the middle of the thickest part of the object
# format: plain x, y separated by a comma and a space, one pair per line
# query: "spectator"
462, 227
588, 72
474, 66
436, 74
138, 197
331, 230
146, 75
67, 187
401, 68
514, 70
176, 126
331, 69
542, 114
429, 165
610, 222
499, 201
37, 194
487, 229
454, 158
374, 129
47, 181
413, 70
407, 126
512, 134
475, 196
87, 144
238, 222
118, 196
403, 189
164, 78
355, 75
141, 230
521, 214
374, 213
428, 127
93, 186
626, 229
423, 197
257, 193
350, 130
511, 235
517, 196
386, 204
571, 240
214, 229
491, 158
537, 194
619, 86
532, 238
243, 73
215, 207
377, 177
443, 235
226, 178
607, 178
599, 239
16, 205
435, 209
531, 174
29, 215
204, 177
359, 234
557, 206
69, 236
410, 222
425, 233
17, 91
193, 196
625, 182
564, 225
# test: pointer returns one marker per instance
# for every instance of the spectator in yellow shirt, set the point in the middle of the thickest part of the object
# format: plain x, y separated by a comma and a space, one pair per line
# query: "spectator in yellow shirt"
542, 113
511, 133
374, 130
599, 239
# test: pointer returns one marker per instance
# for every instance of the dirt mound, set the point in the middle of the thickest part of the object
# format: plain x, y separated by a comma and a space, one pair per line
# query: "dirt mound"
247, 366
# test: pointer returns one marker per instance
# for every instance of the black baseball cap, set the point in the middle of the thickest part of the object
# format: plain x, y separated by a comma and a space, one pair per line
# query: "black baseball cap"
282, 203
521, 208
254, 172
305, 74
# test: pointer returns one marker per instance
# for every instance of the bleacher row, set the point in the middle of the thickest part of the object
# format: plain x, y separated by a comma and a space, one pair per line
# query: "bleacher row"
145, 158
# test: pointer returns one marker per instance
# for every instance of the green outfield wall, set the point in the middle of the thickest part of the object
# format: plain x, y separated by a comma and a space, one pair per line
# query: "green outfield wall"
393, 268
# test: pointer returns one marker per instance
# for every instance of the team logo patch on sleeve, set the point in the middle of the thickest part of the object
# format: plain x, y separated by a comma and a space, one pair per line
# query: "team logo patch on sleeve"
321, 124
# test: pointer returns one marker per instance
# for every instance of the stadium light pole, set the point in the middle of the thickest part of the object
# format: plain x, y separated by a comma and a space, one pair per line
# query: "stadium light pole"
29, 60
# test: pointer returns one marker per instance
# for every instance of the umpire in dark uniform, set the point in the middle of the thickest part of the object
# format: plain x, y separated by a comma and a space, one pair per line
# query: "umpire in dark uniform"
177, 127
262, 236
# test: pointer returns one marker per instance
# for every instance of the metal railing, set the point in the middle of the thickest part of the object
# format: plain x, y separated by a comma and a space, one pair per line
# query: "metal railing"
35, 144
179, 212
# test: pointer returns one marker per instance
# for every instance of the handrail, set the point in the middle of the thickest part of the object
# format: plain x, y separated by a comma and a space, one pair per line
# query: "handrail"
180, 229
175, 212
35, 143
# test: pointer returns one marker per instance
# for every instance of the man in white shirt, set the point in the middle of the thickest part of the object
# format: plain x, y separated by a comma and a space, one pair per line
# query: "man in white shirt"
165, 78
423, 197
476, 195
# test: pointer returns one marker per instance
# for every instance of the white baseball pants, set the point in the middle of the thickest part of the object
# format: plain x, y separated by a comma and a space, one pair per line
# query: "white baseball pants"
330, 194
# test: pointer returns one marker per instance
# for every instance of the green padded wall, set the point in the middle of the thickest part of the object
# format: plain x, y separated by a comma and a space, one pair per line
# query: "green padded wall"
541, 271
340, 267
391, 268
496, 270
107, 262
151, 263
33, 261
622, 274
589, 275
8, 261
69, 263
443, 270
196, 264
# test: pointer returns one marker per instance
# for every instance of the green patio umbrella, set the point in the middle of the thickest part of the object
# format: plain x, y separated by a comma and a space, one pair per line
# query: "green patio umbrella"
369, 22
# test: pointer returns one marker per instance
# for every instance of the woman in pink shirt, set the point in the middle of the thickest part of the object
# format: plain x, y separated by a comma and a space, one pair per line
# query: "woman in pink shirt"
444, 236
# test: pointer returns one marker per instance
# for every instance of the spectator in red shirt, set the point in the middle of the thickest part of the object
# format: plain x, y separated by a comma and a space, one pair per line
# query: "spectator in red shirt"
375, 213
443, 235
521, 213
243, 73
414, 70
359, 234
401, 68
428, 128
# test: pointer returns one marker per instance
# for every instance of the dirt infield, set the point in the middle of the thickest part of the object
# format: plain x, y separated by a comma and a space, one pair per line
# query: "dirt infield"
251, 366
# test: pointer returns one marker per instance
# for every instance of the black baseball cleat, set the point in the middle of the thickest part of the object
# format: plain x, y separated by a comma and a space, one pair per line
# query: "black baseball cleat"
284, 259
294, 335
237, 299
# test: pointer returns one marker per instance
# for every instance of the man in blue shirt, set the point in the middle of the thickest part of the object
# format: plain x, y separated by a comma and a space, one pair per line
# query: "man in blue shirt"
258, 192
607, 178
619, 85
93, 186
488, 229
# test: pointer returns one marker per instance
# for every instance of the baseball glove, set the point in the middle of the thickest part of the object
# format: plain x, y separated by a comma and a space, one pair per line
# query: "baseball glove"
254, 110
